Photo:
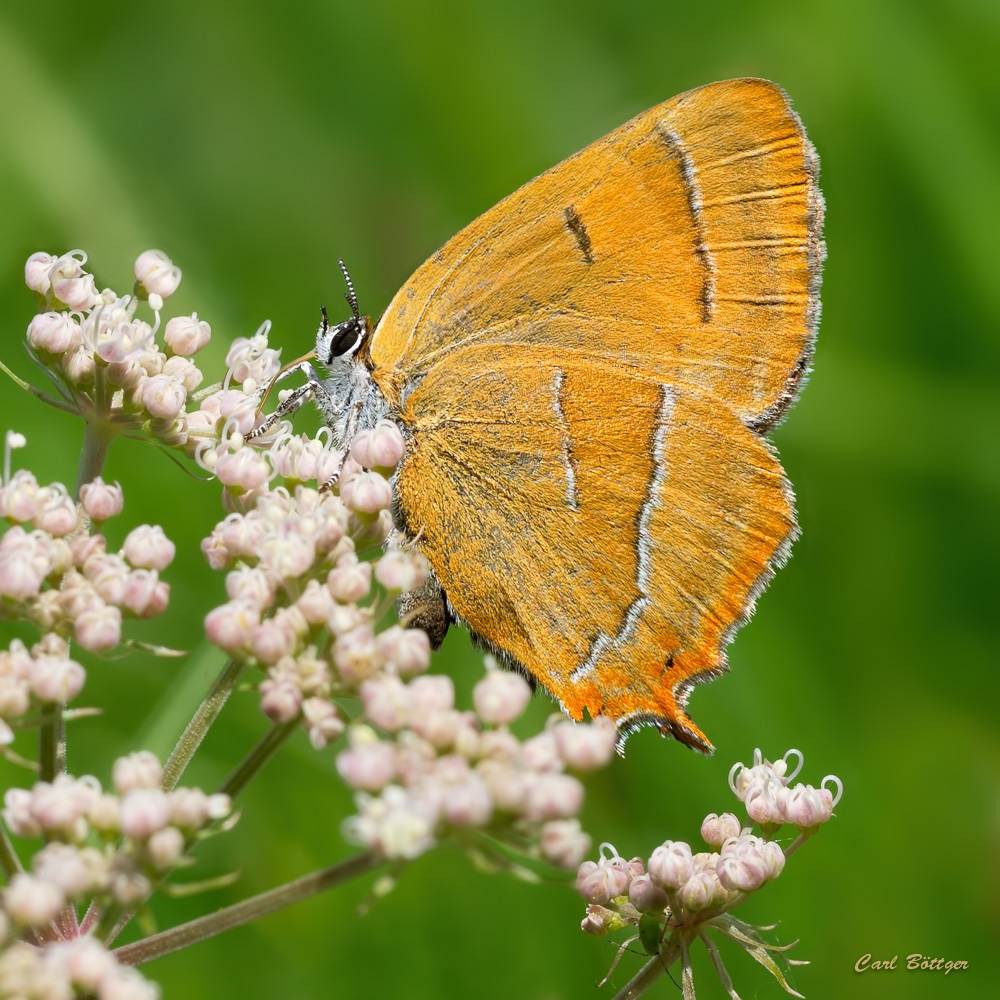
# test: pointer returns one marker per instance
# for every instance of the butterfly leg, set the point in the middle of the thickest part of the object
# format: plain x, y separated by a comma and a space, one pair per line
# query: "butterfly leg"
312, 389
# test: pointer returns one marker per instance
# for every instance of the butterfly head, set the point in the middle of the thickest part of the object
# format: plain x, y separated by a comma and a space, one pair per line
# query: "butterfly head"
342, 340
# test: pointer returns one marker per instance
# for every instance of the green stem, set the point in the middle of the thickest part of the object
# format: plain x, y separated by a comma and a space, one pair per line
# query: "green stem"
97, 438
649, 973
51, 743
225, 919
10, 863
198, 727
258, 757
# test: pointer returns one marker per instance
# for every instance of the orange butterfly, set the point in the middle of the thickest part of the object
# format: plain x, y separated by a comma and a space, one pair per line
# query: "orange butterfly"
584, 377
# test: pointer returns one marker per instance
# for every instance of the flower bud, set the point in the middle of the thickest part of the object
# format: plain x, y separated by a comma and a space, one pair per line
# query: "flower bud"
185, 335
501, 697
157, 273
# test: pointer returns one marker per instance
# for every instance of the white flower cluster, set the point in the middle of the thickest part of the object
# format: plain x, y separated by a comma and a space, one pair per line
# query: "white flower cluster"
58, 970
142, 830
679, 893
110, 849
438, 769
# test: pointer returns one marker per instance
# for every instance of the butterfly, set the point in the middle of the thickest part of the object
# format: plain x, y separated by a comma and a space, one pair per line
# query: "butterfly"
585, 377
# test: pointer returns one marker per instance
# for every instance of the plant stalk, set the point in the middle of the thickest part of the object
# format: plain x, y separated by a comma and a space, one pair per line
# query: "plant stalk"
238, 914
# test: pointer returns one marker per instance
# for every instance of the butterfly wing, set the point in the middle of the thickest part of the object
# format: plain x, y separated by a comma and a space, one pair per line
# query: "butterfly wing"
687, 241
605, 531
584, 372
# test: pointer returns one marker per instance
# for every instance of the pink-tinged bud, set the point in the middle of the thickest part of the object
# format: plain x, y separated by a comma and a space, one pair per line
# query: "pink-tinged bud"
147, 547
60, 806
18, 815
189, 808
322, 722
315, 604
108, 574
355, 654
231, 625
586, 746
599, 920
79, 366
56, 679
93, 970
805, 806
155, 271
244, 469
99, 628
129, 888
272, 639
435, 693
762, 803
165, 848
288, 555
20, 575
540, 753
280, 700
401, 571
468, 804
31, 901
716, 829
501, 697
746, 863
386, 702
146, 595
553, 796
601, 881
55, 512
369, 767
439, 728
699, 892
74, 870
407, 651
351, 581
380, 447
365, 493
645, 895
670, 864
143, 812
14, 694
137, 770
164, 397
563, 843
101, 500
54, 333
18, 497
246, 583
71, 284
104, 814
36, 272
186, 335
86, 547
508, 786
185, 371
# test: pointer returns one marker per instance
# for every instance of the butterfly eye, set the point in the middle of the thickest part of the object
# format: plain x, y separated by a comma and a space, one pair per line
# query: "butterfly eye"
343, 339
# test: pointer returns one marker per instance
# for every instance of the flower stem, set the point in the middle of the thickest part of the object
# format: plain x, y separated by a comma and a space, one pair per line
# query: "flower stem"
10, 863
238, 914
258, 757
650, 972
198, 727
97, 438
51, 743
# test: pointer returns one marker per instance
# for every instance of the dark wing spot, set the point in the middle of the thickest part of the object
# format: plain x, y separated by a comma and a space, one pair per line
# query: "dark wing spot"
575, 225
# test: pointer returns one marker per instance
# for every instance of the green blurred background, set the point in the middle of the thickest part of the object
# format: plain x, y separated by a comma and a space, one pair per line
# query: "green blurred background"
256, 143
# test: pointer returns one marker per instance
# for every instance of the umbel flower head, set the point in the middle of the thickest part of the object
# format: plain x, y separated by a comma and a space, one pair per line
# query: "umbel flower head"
675, 897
